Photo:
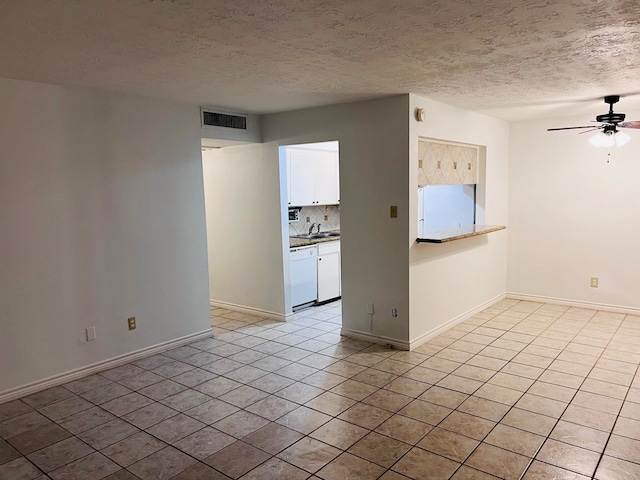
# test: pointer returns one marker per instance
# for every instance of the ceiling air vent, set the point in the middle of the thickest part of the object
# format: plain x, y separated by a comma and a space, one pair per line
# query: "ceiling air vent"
224, 120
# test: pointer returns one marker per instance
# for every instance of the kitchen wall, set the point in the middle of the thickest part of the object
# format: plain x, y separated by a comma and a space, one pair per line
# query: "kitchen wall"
573, 214
327, 216
373, 138
244, 228
450, 280
102, 218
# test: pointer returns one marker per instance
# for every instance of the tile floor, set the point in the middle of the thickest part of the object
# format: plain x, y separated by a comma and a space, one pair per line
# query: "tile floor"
521, 391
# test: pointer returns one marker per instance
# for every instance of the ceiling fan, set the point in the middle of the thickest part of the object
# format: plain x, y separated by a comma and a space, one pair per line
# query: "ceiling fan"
609, 124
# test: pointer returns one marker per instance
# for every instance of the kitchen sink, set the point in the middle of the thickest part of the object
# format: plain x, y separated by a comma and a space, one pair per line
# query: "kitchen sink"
315, 236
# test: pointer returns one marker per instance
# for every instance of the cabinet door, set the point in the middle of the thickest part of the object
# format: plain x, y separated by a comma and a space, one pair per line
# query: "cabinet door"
328, 276
326, 178
301, 168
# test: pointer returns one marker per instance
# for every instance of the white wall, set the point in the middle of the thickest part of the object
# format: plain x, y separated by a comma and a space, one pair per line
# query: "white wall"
102, 217
244, 227
448, 280
373, 175
574, 213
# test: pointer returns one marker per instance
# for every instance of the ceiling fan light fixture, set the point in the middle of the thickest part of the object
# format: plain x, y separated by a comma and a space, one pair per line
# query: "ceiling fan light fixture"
598, 140
621, 139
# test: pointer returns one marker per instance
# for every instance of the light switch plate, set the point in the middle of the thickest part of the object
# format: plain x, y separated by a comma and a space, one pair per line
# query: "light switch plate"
394, 211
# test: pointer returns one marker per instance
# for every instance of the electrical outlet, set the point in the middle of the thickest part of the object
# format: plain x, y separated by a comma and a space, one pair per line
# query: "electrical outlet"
594, 282
131, 321
91, 334
394, 312
326, 217
308, 219
393, 211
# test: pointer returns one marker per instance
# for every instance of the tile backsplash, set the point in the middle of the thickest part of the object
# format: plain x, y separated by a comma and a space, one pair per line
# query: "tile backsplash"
316, 214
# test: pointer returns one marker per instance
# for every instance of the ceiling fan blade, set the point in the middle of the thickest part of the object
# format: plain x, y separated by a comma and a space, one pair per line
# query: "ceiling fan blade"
635, 124
568, 128
592, 130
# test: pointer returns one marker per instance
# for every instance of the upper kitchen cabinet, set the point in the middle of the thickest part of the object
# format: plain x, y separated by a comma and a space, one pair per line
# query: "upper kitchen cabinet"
313, 177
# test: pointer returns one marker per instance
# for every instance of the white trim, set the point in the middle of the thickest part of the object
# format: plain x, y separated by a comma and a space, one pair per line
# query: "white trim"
367, 337
71, 375
425, 337
575, 303
253, 311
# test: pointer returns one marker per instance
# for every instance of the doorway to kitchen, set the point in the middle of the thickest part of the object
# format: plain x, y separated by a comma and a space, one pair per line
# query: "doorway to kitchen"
310, 176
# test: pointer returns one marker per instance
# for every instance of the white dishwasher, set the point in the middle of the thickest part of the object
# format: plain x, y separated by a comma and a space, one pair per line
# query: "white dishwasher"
304, 276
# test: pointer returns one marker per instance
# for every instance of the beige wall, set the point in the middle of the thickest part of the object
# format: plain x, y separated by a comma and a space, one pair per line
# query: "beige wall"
449, 280
574, 213
102, 217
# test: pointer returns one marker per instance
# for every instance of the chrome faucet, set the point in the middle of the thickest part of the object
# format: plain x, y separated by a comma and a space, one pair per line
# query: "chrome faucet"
311, 228
318, 228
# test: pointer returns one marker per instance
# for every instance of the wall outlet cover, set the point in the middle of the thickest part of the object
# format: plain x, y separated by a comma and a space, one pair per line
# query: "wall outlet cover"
131, 322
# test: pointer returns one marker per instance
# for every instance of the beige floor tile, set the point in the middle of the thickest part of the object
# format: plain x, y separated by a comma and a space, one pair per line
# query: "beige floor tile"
240, 424
365, 416
323, 380
569, 457
19, 469
460, 384
444, 397
199, 471
276, 469
38, 438
630, 410
474, 373
448, 444
404, 429
555, 392
226, 460
589, 418
309, 454
407, 386
488, 362
351, 467
94, 466
108, 433
440, 364
211, 411
529, 421
133, 448
380, 449
8, 453
303, 419
623, 448
272, 407
562, 379
580, 436
468, 425
542, 405
500, 353
186, 400
354, 390
426, 375
604, 388
627, 427
59, 454
497, 461
513, 382
330, 403
468, 473
204, 442
376, 378
271, 383
498, 394
244, 396
616, 469
597, 402
539, 471
481, 407
454, 355
425, 412
273, 438
387, 400
515, 440
339, 433
418, 463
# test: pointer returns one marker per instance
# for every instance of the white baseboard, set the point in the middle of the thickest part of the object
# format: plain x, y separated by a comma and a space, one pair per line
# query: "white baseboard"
368, 337
425, 337
253, 311
575, 303
71, 375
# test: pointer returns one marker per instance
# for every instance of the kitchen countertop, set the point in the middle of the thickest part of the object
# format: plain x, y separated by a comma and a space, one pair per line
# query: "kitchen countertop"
459, 233
304, 242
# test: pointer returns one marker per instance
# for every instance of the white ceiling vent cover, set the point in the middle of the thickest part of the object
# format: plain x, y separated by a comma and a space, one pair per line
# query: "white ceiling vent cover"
221, 119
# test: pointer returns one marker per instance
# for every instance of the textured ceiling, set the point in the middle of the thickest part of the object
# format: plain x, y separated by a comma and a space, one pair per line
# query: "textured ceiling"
511, 59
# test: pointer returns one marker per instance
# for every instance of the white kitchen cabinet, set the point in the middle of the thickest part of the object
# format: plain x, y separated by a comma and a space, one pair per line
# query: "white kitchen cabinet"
313, 177
329, 284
